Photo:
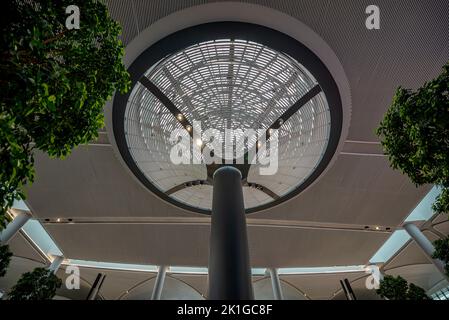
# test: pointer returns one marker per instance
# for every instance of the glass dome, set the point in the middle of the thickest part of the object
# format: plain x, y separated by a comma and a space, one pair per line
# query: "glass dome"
227, 84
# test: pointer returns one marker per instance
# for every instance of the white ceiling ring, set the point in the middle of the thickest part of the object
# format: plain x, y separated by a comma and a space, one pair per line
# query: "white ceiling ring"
245, 13
301, 99
227, 82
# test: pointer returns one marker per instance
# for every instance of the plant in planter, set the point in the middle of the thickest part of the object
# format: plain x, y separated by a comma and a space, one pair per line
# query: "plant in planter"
54, 83
5, 258
40, 284
397, 288
415, 136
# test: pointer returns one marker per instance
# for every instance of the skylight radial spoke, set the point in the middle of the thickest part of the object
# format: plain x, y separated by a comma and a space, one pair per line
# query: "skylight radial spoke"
188, 184
222, 83
166, 102
295, 107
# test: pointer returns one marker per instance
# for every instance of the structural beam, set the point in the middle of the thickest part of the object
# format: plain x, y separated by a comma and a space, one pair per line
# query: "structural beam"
263, 189
426, 246
93, 293
159, 284
147, 83
295, 107
14, 226
229, 267
55, 264
188, 184
347, 289
276, 284
286, 115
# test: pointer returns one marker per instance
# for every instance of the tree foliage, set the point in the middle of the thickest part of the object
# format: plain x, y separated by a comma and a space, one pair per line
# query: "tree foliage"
416, 293
5, 258
397, 288
442, 252
40, 284
415, 135
54, 83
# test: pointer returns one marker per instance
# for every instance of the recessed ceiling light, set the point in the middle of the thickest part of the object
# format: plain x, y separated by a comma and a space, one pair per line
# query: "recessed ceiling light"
58, 220
377, 228
179, 116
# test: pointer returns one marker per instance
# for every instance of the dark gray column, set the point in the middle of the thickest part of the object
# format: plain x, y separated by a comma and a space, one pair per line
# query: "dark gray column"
93, 293
347, 289
276, 284
229, 268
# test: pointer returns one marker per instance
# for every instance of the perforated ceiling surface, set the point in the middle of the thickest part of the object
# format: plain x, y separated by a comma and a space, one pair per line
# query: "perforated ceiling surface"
359, 189
227, 84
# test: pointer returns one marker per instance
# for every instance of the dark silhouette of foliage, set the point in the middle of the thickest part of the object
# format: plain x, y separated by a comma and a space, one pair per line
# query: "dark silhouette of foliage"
397, 288
40, 284
5, 258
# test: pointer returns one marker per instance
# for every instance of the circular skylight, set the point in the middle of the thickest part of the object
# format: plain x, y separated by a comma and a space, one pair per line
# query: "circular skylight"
226, 83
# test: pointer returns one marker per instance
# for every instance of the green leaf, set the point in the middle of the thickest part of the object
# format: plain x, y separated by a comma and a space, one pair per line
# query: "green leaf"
414, 134
54, 85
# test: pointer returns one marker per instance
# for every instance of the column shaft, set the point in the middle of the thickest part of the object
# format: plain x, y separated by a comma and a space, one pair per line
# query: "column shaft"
276, 284
96, 287
426, 246
56, 263
229, 267
14, 226
159, 284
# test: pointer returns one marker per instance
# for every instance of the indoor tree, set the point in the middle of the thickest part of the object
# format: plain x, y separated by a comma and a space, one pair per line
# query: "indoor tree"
415, 136
397, 288
442, 251
40, 284
5, 258
54, 82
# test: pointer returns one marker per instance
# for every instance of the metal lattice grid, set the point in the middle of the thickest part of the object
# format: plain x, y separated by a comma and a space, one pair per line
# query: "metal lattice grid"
227, 83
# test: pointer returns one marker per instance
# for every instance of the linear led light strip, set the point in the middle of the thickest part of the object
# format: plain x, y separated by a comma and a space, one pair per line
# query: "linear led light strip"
203, 271
422, 212
392, 246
